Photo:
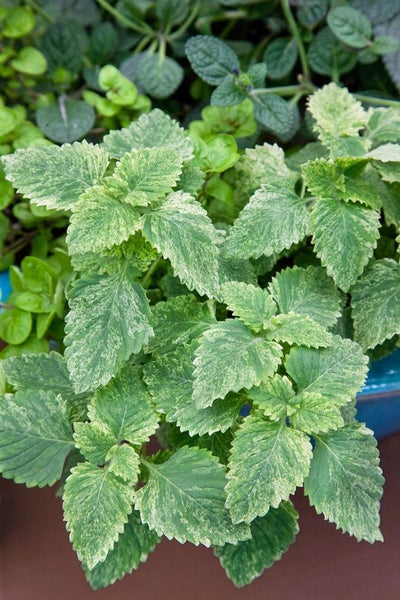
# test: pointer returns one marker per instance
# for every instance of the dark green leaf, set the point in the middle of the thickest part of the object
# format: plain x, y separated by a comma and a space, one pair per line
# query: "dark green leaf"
66, 121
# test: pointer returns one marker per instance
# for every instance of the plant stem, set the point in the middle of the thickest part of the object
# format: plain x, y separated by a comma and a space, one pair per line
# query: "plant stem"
377, 101
146, 280
286, 90
143, 28
296, 34
39, 10
181, 30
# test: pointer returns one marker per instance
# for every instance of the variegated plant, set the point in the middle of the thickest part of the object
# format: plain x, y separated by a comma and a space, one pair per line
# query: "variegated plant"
242, 346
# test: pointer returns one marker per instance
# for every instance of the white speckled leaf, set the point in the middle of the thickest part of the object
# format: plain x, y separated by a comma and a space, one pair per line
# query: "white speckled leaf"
268, 461
253, 305
184, 499
313, 414
273, 396
300, 330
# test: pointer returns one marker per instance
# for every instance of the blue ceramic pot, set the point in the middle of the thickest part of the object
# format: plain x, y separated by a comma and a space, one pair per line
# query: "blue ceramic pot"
5, 286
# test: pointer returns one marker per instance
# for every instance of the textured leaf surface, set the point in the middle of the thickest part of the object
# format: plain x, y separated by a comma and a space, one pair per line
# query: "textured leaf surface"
307, 291
276, 114
66, 121
152, 130
108, 321
170, 380
376, 303
96, 507
229, 358
274, 219
314, 415
300, 330
35, 437
341, 230
271, 536
133, 547
252, 304
54, 176
345, 481
268, 461
350, 26
211, 59
273, 397
185, 499
159, 77
182, 231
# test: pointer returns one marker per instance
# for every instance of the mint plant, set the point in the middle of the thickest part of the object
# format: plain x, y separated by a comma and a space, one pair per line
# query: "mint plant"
239, 343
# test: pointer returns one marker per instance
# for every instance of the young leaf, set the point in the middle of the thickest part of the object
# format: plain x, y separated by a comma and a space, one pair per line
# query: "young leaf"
185, 499
274, 219
273, 397
230, 357
271, 536
307, 291
268, 461
93, 441
300, 330
159, 76
313, 414
211, 59
181, 230
35, 437
152, 130
96, 507
350, 26
124, 462
228, 93
345, 481
133, 546
107, 322
341, 230
376, 303
66, 121
253, 305
43, 173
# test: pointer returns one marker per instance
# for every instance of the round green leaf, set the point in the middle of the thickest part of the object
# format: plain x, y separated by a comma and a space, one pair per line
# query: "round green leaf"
8, 120
67, 121
350, 26
327, 56
15, 326
159, 77
280, 57
30, 61
19, 22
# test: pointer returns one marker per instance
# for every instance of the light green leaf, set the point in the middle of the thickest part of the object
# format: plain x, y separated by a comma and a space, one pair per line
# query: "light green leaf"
159, 76
383, 125
350, 26
268, 461
313, 414
182, 231
211, 59
35, 437
170, 381
124, 462
96, 507
300, 330
274, 219
253, 305
273, 396
385, 153
307, 291
134, 545
345, 481
107, 322
341, 230
152, 130
337, 372
271, 536
93, 441
376, 303
230, 357
67, 120
15, 326
185, 499
99, 221
54, 176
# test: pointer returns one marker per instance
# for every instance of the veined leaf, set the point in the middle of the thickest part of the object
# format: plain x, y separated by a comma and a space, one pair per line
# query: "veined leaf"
230, 357
350, 25
170, 381
181, 230
253, 305
345, 481
107, 322
134, 545
276, 115
35, 437
93, 441
43, 173
383, 125
159, 76
152, 130
185, 499
376, 303
313, 414
211, 59
96, 507
268, 461
300, 330
337, 372
124, 462
273, 396
271, 536
307, 291
274, 219
341, 230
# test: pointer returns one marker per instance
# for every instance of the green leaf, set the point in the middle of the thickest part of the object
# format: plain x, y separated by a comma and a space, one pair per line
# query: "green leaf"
376, 303
66, 121
385, 153
276, 115
185, 499
35, 437
271, 536
124, 462
170, 381
314, 415
159, 76
43, 173
229, 358
312, 12
15, 325
350, 26
280, 57
134, 545
307, 291
96, 507
274, 219
345, 481
107, 322
273, 397
93, 441
253, 305
341, 230
300, 330
18, 22
228, 93
63, 44
182, 231
384, 44
29, 61
327, 56
152, 130
383, 125
211, 59
337, 372
268, 461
